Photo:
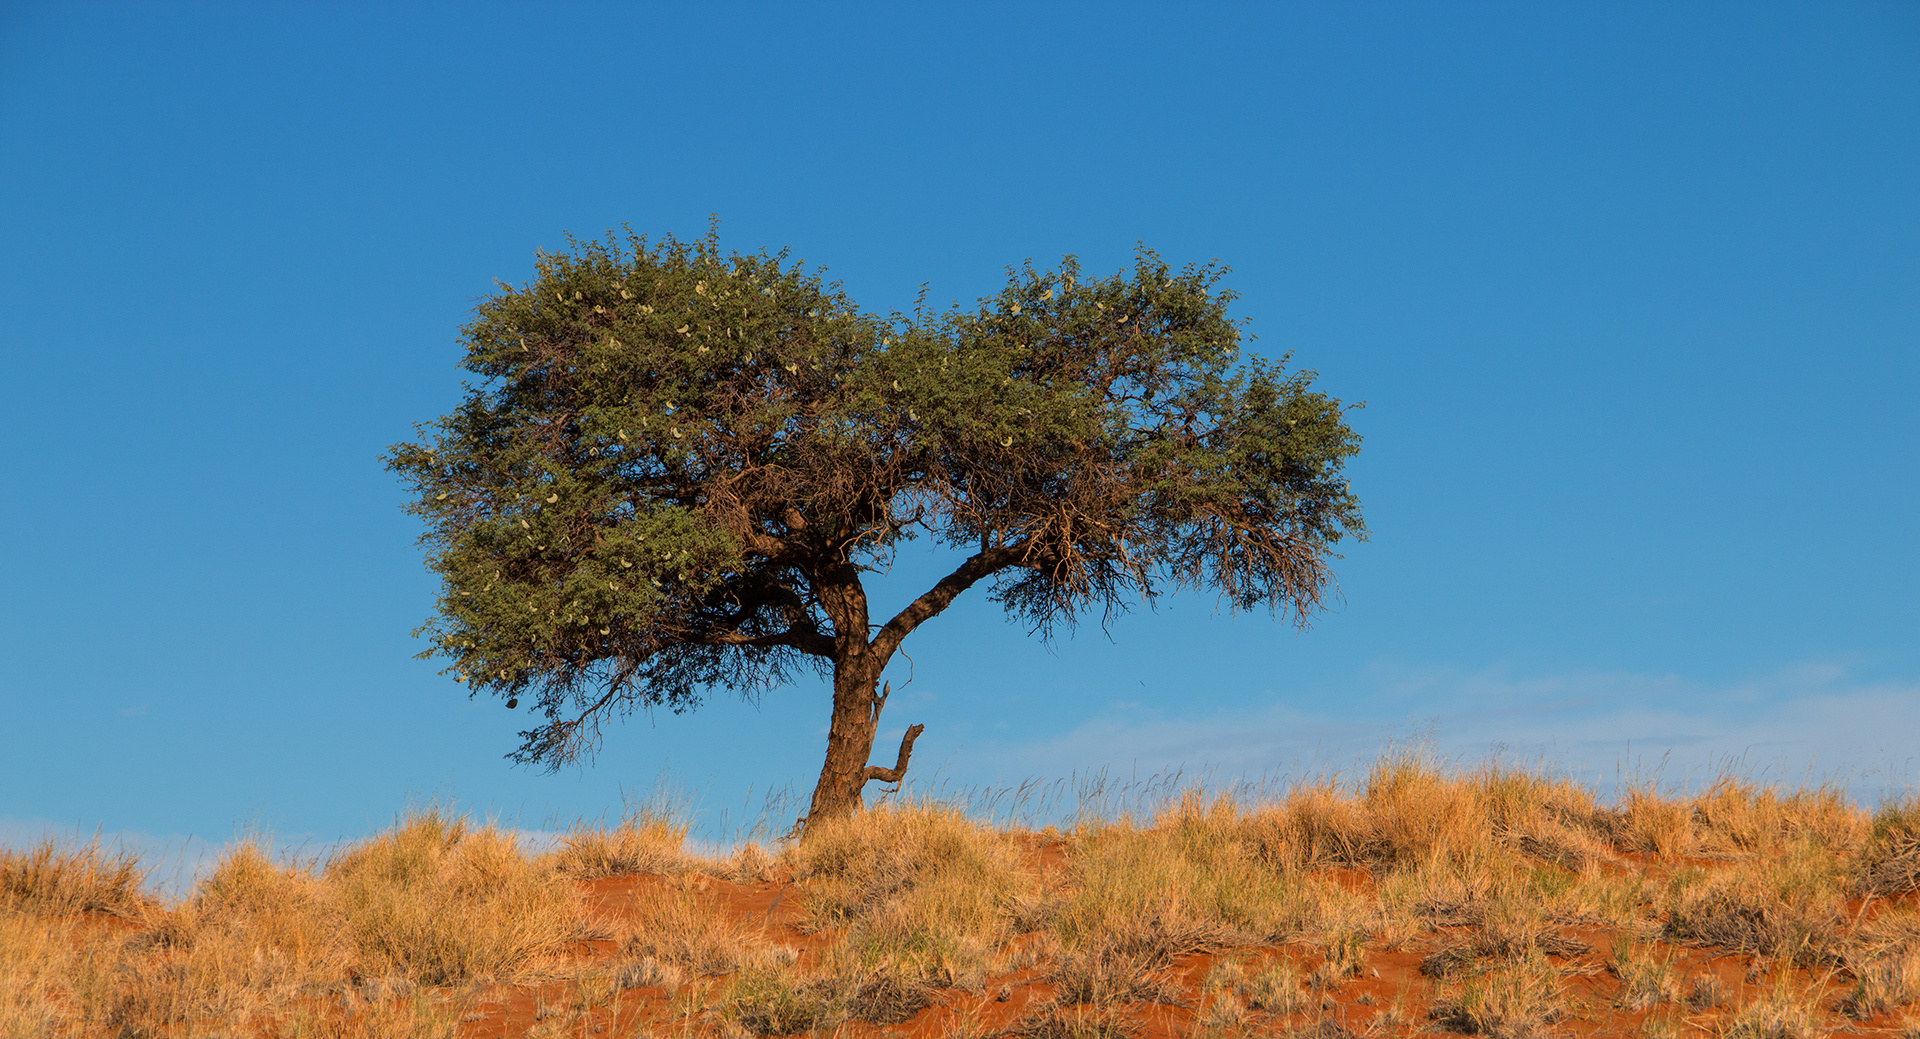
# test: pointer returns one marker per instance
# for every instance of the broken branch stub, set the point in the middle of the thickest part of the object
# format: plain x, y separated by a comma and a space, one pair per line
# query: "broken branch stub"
899, 769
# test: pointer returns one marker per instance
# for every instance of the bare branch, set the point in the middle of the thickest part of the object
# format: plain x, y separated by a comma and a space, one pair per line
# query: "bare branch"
562, 737
899, 769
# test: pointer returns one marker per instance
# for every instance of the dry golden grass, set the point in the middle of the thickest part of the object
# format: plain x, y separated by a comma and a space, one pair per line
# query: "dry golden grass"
47, 880
1647, 977
1493, 902
678, 928
352, 946
918, 897
436, 902
1884, 960
640, 844
1781, 1013
1891, 864
1516, 1000
1789, 906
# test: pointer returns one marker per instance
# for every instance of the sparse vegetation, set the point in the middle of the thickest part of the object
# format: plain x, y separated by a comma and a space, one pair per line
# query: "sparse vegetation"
1491, 903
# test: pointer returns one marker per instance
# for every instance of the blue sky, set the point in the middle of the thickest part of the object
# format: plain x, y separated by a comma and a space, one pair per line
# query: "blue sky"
1632, 292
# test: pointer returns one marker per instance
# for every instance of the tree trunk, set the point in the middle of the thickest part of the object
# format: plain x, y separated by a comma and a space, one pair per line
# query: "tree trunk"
856, 716
856, 707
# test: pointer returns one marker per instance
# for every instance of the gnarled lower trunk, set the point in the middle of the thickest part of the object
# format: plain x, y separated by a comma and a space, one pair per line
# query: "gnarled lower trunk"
856, 717
857, 664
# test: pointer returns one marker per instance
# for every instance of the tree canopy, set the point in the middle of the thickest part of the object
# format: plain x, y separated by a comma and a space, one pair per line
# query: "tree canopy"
679, 462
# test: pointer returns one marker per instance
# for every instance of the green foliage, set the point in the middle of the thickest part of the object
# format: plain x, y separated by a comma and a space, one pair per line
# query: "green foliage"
679, 462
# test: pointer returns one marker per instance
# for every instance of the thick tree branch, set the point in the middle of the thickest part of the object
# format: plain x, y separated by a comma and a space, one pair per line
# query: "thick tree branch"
806, 640
770, 548
899, 769
843, 599
981, 564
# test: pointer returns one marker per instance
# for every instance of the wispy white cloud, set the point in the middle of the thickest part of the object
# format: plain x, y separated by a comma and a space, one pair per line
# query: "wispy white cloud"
1806, 724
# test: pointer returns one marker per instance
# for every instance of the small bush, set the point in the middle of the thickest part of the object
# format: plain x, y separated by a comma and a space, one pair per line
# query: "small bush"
1109, 974
1324, 1028
1705, 992
889, 996
1057, 1022
1343, 956
1224, 1013
958, 875
1885, 964
1316, 826
1187, 885
1419, 815
747, 865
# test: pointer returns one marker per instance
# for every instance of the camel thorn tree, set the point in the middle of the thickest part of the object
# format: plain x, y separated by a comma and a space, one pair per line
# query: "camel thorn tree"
679, 463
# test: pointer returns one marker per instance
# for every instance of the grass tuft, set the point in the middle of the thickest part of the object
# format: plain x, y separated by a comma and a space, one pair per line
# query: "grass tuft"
1891, 863
640, 845
438, 902
1789, 906
49, 881
1781, 1016
1519, 1001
